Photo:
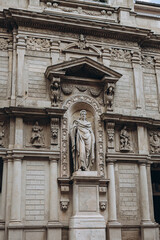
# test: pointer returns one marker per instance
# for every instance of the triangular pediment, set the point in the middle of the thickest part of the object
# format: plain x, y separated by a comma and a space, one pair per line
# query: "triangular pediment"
84, 68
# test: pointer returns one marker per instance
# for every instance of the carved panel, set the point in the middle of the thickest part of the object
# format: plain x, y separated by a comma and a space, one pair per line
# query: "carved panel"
120, 55
147, 61
154, 142
38, 44
4, 43
65, 152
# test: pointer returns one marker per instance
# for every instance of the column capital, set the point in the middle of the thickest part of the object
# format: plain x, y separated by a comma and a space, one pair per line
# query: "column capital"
110, 161
55, 158
142, 162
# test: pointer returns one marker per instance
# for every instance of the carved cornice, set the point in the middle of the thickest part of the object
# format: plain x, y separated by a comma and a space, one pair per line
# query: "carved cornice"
65, 23
37, 112
130, 119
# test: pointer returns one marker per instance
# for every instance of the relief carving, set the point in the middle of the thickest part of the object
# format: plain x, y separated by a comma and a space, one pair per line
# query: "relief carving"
102, 205
64, 205
37, 137
2, 134
54, 131
95, 92
3, 44
109, 96
38, 44
154, 142
111, 133
55, 91
124, 140
67, 89
64, 166
83, 143
120, 55
148, 61
81, 88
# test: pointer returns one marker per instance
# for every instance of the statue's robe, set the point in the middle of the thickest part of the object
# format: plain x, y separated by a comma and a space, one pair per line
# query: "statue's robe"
83, 141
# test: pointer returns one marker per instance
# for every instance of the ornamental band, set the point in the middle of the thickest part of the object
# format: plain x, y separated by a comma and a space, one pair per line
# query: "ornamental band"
83, 142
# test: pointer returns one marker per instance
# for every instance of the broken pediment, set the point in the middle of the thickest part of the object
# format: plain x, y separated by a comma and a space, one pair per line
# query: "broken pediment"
83, 68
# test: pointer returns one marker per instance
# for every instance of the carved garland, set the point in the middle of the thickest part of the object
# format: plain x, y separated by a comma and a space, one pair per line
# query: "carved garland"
65, 134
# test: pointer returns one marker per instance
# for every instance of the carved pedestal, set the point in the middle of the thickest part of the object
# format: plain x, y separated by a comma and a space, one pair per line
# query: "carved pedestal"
86, 222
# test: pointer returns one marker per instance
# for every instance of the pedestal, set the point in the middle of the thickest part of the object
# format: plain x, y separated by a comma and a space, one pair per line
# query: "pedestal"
86, 222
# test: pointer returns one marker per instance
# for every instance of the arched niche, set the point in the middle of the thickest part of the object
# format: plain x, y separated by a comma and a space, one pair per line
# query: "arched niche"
74, 105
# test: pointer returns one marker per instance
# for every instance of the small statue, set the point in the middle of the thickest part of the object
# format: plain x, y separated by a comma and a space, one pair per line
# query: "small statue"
55, 91
124, 140
83, 142
37, 138
109, 97
154, 142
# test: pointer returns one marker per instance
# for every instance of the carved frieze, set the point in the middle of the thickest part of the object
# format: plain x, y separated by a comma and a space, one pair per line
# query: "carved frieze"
4, 43
38, 44
154, 141
79, 10
65, 153
37, 136
120, 55
125, 141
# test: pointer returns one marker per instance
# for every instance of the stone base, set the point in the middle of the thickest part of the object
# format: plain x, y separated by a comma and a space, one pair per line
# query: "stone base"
54, 231
87, 227
149, 233
114, 231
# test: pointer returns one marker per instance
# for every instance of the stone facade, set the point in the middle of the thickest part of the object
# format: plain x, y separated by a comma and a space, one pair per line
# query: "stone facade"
56, 59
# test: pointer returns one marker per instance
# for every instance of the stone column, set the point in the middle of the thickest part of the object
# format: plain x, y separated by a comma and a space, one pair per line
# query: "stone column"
142, 140
19, 133
3, 191
21, 46
150, 190
112, 211
138, 81
114, 227
144, 193
16, 191
54, 227
53, 212
14, 67
157, 70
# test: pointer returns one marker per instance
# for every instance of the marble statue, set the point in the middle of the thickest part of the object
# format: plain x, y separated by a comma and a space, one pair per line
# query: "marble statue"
83, 142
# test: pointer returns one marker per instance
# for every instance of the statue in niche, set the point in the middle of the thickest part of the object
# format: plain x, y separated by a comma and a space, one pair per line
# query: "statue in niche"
124, 140
55, 91
155, 142
37, 138
83, 143
109, 97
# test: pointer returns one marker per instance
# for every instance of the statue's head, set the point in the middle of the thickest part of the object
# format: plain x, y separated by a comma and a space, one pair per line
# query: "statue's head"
83, 114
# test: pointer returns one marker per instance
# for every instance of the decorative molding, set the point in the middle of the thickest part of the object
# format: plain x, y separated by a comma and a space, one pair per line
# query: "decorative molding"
64, 149
67, 89
2, 134
38, 44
